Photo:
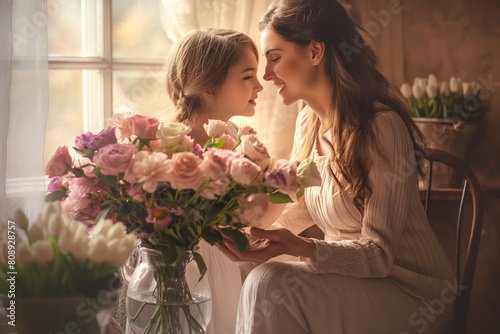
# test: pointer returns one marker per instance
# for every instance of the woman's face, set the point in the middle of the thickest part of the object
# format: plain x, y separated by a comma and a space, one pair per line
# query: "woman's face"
237, 95
288, 66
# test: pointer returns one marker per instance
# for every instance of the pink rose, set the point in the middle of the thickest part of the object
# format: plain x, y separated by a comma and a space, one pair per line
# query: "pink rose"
244, 171
245, 130
214, 164
284, 177
135, 192
254, 149
59, 162
186, 173
95, 142
215, 128
77, 201
216, 188
122, 122
114, 158
149, 168
144, 127
230, 142
255, 206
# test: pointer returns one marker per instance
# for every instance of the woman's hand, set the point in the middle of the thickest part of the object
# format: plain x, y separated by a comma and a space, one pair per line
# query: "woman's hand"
268, 244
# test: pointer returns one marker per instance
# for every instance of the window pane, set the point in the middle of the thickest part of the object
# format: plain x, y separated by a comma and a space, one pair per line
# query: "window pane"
65, 120
75, 28
137, 30
141, 91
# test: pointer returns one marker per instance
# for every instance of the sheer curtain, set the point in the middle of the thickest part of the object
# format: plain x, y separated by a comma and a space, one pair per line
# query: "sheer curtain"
23, 105
274, 122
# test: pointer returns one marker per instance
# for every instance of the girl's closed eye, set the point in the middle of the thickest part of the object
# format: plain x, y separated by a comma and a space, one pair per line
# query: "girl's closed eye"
248, 77
275, 59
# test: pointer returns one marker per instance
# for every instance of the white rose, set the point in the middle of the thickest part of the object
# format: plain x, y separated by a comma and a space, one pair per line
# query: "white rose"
308, 174
172, 134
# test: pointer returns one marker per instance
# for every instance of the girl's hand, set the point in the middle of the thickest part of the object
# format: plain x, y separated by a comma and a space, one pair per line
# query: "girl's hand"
268, 244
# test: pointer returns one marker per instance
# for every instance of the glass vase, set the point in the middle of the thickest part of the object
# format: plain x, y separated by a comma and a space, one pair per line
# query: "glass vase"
162, 298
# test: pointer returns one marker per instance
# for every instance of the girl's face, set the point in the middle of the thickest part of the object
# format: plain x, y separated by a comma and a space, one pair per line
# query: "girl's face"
288, 66
237, 95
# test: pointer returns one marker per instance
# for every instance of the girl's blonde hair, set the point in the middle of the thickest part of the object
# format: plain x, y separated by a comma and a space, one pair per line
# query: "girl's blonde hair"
199, 62
351, 66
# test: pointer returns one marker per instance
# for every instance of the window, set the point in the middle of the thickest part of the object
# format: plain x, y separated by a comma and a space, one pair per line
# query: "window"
104, 57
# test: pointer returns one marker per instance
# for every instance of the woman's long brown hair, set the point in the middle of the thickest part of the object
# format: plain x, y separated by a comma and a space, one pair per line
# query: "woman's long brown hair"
351, 65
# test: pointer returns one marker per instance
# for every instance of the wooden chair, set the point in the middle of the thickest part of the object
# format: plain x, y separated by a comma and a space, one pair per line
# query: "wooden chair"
465, 275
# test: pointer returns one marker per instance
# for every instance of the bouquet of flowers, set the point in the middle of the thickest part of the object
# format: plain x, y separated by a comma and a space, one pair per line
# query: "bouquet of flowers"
453, 99
172, 192
56, 258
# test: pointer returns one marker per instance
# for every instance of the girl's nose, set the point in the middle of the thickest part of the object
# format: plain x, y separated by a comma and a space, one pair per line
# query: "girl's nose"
258, 87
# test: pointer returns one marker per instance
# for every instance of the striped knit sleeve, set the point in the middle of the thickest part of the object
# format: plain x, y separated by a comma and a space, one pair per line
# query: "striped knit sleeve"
385, 212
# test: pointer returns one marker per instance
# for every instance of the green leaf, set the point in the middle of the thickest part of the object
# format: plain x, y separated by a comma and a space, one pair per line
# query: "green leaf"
220, 143
108, 180
102, 214
238, 237
213, 236
55, 196
86, 152
278, 197
181, 252
202, 267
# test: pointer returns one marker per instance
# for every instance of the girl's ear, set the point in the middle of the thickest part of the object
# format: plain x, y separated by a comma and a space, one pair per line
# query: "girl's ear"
317, 52
210, 96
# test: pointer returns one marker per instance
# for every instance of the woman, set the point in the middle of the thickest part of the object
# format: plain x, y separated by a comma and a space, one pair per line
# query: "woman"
380, 268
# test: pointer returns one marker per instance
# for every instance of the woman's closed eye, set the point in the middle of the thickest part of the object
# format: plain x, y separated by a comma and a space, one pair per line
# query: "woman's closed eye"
275, 59
248, 77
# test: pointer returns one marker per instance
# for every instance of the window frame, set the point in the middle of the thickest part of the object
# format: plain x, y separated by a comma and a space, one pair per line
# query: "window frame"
98, 89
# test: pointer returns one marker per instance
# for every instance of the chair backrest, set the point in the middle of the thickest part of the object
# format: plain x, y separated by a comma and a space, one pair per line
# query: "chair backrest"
470, 184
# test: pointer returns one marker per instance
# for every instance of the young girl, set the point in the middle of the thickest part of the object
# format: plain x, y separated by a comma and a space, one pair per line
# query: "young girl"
380, 268
213, 75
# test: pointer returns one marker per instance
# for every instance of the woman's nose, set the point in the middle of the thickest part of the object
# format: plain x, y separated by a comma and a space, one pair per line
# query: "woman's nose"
268, 72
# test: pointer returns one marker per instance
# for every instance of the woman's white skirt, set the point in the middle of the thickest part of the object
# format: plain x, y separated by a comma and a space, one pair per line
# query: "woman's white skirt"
290, 298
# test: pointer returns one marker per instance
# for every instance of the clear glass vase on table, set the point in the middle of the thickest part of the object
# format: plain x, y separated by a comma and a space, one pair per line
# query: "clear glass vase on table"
166, 299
